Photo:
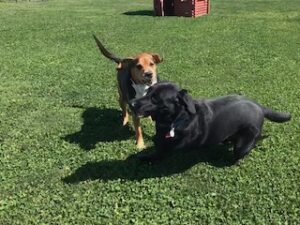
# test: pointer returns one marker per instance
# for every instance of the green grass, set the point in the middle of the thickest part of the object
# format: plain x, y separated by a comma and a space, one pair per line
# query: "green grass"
62, 147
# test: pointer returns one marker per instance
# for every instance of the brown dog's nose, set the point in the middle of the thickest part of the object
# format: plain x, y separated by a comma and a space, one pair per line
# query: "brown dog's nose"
148, 75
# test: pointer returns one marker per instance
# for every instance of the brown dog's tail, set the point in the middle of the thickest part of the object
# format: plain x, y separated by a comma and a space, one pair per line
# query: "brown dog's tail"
105, 52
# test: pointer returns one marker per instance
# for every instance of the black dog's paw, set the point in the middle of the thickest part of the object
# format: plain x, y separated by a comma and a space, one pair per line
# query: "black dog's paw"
146, 157
238, 162
139, 159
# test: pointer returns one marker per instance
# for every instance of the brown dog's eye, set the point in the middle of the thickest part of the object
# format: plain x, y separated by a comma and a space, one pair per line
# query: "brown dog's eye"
151, 64
139, 67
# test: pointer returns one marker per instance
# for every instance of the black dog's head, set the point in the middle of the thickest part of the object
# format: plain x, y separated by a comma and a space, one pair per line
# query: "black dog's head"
163, 102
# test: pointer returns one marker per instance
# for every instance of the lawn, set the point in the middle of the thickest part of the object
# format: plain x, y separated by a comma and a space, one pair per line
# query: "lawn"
63, 150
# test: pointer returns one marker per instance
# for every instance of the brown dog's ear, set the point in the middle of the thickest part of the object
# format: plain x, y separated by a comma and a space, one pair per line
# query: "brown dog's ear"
124, 63
187, 101
157, 59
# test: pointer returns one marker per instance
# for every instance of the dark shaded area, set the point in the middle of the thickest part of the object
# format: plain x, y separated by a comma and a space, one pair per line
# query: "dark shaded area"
133, 169
100, 125
139, 13
168, 8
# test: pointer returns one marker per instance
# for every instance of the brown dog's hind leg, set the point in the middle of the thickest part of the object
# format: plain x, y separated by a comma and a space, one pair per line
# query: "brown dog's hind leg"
123, 106
125, 114
138, 133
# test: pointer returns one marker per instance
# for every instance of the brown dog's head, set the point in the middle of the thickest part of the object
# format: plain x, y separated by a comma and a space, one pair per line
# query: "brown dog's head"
143, 68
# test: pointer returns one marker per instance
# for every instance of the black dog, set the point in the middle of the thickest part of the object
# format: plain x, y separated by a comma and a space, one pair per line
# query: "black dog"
182, 122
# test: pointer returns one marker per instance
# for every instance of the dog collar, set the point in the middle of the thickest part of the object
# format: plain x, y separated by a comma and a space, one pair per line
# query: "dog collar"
171, 133
178, 124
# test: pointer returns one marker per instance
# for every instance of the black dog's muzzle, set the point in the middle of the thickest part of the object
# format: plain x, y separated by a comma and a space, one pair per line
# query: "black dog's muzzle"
141, 108
132, 104
135, 106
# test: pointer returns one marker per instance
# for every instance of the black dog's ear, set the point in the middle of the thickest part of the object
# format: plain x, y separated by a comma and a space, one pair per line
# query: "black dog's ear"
187, 101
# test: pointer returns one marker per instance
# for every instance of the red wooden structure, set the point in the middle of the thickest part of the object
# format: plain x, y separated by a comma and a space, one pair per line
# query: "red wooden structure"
190, 8
163, 7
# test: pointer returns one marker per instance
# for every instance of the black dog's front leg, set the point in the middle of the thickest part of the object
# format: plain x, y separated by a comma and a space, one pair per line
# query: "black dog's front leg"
151, 157
159, 154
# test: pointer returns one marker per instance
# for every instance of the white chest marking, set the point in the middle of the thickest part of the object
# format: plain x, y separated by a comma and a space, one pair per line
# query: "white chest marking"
140, 89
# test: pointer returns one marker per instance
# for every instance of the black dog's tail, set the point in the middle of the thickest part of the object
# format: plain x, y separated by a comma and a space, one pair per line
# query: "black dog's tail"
105, 52
278, 117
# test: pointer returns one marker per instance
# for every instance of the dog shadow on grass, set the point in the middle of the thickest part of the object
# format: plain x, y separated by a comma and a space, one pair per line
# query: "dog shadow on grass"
139, 13
134, 170
100, 125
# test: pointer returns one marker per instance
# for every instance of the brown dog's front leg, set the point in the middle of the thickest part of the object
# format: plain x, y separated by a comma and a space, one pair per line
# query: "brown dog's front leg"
138, 133
125, 114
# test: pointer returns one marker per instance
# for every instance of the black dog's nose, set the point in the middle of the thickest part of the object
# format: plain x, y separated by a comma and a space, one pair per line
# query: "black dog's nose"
148, 75
132, 103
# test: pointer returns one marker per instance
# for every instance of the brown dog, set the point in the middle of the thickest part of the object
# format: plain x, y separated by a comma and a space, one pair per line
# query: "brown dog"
135, 75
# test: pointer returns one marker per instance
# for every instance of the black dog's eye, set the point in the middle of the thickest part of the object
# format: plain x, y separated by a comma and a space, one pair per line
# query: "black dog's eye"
173, 101
176, 101
150, 89
139, 67
154, 99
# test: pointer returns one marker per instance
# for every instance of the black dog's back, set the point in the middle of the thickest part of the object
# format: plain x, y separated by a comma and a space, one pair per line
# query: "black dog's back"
227, 101
233, 113
229, 115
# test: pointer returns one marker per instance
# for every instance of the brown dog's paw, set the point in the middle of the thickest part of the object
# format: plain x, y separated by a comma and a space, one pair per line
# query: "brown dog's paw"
125, 121
140, 145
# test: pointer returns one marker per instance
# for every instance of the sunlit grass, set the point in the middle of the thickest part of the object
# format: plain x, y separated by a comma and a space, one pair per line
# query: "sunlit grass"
62, 147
